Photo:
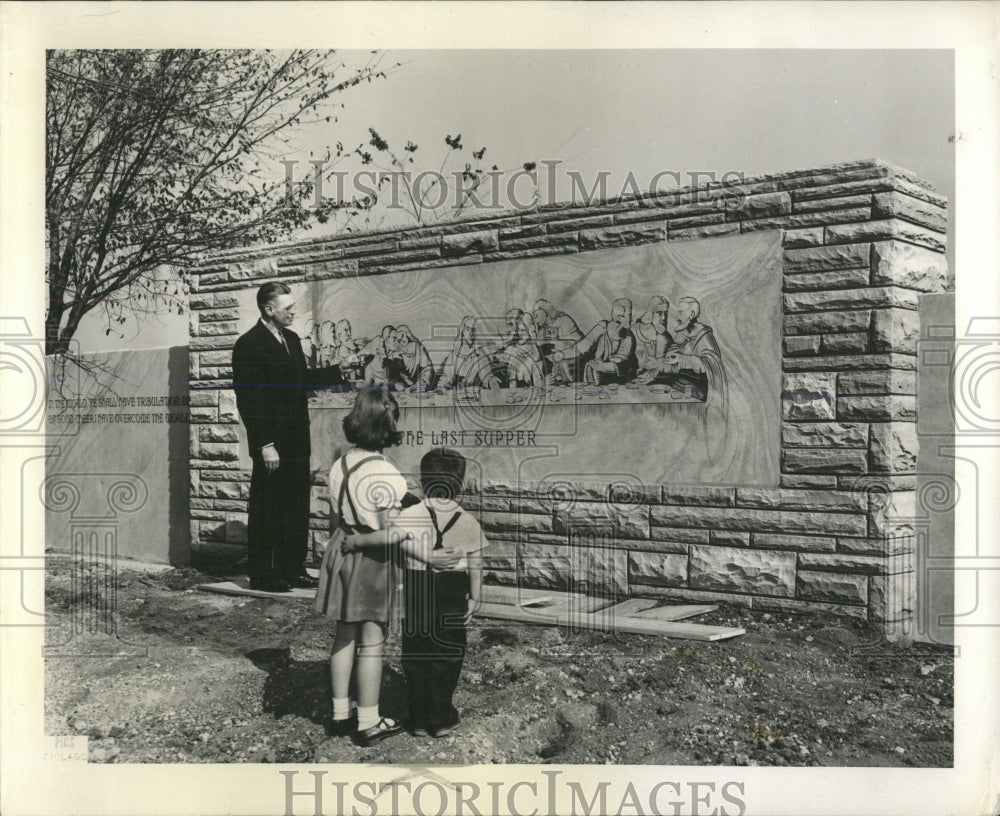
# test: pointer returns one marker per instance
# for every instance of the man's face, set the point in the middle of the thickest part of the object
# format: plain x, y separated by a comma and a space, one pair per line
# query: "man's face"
541, 317
660, 321
618, 314
469, 332
344, 333
403, 340
685, 316
281, 310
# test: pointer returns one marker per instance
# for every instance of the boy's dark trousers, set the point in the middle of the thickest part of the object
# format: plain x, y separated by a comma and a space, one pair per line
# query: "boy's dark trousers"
434, 643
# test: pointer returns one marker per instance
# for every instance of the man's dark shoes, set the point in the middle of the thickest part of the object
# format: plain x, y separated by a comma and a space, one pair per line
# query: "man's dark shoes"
383, 729
270, 585
303, 581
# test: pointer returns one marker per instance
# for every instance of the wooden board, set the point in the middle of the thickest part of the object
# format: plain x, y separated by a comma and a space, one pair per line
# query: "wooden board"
600, 622
516, 596
232, 588
522, 596
630, 607
676, 611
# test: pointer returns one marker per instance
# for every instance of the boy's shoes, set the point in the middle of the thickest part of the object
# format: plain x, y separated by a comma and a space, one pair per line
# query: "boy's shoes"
383, 729
444, 730
418, 731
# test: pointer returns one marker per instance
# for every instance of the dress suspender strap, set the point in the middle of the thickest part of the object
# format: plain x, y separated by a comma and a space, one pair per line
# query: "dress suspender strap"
345, 492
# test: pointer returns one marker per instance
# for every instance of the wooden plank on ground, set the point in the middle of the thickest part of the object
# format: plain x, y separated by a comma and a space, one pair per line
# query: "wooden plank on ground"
232, 588
523, 596
516, 596
676, 611
599, 622
630, 607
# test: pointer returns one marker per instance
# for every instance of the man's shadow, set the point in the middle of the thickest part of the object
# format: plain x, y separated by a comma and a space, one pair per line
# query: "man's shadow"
302, 687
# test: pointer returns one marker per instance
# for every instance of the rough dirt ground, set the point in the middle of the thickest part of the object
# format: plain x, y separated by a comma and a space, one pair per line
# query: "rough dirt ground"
231, 679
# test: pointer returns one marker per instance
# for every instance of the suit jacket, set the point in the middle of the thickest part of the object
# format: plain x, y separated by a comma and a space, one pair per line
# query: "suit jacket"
272, 387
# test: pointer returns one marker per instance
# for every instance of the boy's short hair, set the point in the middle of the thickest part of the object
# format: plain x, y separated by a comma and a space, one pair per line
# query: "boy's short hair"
371, 424
442, 473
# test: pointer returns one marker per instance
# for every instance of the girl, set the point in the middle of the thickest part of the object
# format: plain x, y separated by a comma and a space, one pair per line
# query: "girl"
361, 591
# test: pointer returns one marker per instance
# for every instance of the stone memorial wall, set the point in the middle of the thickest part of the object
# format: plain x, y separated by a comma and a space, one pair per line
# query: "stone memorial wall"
616, 481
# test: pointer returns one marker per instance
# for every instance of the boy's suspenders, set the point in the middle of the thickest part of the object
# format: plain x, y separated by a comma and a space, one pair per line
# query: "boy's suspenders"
439, 541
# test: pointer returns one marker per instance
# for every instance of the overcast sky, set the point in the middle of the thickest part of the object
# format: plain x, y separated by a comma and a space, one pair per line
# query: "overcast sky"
645, 112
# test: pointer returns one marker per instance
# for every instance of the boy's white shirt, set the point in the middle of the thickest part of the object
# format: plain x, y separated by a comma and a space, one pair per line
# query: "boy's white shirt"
466, 536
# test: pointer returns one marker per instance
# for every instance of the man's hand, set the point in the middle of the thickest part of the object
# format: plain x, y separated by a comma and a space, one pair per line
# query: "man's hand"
347, 546
271, 459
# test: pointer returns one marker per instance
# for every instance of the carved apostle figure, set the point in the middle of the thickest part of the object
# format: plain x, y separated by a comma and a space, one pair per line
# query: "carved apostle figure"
555, 331
608, 349
653, 341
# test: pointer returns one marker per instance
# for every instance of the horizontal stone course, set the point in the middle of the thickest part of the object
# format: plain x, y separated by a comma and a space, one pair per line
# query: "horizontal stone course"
876, 383
729, 538
826, 258
824, 434
762, 572
668, 533
698, 495
786, 499
802, 237
800, 220
906, 362
754, 520
824, 460
621, 236
562, 240
659, 569
834, 279
801, 344
807, 480
801, 203
839, 562
527, 522
851, 343
831, 587
885, 229
824, 322
877, 408
619, 521
840, 299
782, 541
708, 231
908, 208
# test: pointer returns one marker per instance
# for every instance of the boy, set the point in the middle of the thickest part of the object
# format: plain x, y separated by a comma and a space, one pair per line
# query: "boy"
440, 543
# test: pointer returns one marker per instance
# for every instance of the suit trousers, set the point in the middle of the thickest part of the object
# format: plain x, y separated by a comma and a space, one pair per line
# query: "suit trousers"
434, 643
278, 517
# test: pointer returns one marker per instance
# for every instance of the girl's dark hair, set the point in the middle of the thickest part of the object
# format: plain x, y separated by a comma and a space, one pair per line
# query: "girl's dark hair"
442, 472
372, 422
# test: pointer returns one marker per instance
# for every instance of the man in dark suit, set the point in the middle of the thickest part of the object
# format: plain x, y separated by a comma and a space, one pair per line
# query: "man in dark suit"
271, 382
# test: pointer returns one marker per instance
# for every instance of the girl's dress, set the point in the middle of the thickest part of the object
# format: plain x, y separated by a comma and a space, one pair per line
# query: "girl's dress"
361, 586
